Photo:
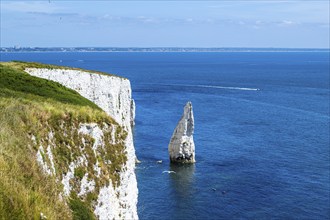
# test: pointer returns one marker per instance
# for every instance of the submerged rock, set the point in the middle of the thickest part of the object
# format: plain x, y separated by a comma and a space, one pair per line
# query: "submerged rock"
182, 146
137, 161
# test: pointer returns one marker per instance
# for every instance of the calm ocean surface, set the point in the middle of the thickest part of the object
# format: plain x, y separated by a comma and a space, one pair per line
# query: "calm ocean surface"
262, 152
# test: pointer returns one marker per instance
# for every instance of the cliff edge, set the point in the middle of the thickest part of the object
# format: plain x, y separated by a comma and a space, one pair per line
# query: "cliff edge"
74, 134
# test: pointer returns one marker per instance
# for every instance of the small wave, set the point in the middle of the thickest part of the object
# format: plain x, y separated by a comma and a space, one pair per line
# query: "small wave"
169, 171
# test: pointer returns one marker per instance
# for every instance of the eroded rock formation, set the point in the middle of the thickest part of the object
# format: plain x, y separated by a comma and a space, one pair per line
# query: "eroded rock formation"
182, 146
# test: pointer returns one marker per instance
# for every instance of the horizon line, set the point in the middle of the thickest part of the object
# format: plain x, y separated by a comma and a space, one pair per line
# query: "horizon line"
165, 47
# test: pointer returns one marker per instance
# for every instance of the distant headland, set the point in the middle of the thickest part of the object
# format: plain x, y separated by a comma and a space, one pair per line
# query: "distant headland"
158, 49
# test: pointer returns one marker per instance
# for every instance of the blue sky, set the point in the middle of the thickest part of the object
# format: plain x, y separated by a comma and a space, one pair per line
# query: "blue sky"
287, 23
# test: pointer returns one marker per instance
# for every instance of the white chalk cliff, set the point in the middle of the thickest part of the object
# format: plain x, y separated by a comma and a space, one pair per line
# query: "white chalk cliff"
113, 95
182, 147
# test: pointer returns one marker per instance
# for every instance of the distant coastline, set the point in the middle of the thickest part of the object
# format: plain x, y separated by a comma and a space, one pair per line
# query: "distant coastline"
158, 49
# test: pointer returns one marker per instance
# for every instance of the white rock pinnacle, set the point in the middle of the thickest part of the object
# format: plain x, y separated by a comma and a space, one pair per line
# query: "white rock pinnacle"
182, 147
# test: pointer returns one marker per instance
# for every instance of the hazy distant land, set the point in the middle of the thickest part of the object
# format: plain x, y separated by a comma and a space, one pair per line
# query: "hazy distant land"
157, 49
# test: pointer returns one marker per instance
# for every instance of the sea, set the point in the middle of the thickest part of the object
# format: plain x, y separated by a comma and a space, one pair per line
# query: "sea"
261, 130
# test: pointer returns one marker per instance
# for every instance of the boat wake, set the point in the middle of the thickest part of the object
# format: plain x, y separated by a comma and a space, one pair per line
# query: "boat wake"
214, 87
229, 87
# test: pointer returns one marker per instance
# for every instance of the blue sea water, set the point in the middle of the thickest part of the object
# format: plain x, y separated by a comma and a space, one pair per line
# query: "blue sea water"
262, 153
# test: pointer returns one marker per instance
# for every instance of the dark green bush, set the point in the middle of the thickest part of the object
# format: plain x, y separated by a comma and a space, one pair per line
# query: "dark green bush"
80, 209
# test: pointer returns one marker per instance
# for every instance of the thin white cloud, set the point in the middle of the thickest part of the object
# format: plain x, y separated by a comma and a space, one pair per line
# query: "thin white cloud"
249, 23
286, 23
31, 6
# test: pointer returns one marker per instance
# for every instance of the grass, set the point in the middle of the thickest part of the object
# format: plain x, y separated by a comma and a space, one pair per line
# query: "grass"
25, 190
30, 106
22, 65
81, 210
17, 80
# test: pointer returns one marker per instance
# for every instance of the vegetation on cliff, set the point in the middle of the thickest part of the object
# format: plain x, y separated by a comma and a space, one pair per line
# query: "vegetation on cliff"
37, 115
22, 65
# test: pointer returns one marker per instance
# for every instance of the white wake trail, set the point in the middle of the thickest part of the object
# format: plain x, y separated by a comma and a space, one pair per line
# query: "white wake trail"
225, 87
214, 87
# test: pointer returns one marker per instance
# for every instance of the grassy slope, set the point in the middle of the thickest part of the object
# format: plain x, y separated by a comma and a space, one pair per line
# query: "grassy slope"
20, 82
21, 65
30, 105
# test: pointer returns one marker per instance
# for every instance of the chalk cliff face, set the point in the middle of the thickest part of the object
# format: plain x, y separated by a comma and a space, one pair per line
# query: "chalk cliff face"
113, 95
182, 146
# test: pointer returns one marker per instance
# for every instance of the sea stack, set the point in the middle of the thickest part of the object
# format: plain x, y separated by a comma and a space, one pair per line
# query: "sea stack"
182, 146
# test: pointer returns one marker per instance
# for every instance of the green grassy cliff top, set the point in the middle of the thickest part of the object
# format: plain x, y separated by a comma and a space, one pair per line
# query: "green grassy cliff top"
22, 65
33, 107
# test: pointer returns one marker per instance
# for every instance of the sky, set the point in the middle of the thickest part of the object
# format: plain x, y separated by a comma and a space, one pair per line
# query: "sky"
61, 23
